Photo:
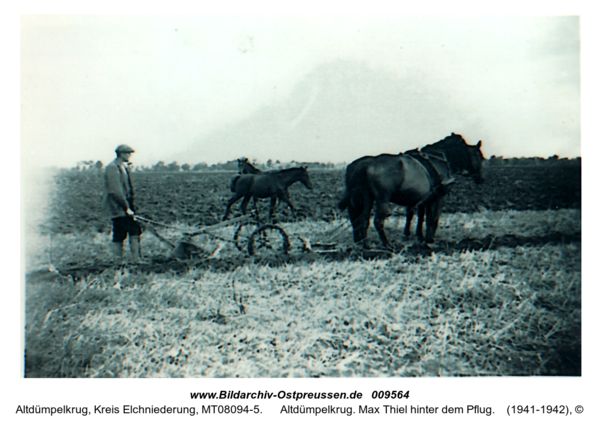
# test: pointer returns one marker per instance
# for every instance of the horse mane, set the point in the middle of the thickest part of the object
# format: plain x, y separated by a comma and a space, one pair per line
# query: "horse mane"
452, 141
455, 149
248, 167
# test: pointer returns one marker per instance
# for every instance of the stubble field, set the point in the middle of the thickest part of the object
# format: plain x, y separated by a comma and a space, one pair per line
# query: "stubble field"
498, 294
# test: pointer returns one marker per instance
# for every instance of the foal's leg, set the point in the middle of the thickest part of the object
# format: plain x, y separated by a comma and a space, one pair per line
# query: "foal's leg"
231, 201
245, 203
286, 198
256, 208
272, 206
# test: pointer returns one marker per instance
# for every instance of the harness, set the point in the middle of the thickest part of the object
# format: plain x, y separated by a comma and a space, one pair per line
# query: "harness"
440, 184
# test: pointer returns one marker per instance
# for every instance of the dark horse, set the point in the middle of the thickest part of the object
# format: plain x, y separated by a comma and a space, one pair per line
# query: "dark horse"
272, 184
407, 180
245, 167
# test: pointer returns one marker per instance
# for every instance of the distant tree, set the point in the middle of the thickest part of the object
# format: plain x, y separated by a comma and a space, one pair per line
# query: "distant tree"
173, 167
84, 165
231, 165
159, 166
186, 167
200, 166
98, 165
269, 163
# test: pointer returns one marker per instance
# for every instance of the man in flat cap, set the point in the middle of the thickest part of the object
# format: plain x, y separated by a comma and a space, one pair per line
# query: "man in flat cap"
119, 205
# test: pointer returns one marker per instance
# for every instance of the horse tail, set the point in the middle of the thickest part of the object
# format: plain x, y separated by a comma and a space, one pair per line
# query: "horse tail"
345, 202
234, 181
354, 199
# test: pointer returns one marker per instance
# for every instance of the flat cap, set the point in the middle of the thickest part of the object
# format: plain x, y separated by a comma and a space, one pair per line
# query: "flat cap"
123, 148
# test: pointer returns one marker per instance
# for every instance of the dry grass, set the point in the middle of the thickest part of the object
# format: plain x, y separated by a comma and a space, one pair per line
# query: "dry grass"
510, 311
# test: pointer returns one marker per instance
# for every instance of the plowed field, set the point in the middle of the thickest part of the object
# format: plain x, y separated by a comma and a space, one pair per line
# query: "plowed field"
499, 294
200, 198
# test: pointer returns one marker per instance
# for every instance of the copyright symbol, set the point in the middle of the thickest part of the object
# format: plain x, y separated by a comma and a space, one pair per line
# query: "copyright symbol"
579, 409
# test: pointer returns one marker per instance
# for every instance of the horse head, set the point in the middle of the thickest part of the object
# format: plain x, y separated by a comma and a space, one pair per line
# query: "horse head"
305, 178
475, 164
241, 163
463, 158
245, 167
472, 163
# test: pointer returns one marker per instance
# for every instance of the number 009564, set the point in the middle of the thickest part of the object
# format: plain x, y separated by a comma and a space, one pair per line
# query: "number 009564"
389, 394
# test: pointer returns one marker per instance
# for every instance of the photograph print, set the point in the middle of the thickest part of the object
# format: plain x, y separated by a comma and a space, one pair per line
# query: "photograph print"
301, 196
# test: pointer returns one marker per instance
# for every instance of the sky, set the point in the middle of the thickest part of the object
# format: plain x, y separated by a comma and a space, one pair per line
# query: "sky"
208, 88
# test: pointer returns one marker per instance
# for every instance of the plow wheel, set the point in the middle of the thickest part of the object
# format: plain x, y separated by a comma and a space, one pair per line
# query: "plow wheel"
242, 235
268, 239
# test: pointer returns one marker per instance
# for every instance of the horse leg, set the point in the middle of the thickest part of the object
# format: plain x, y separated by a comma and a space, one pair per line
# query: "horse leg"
433, 216
231, 201
245, 203
420, 220
286, 198
272, 207
256, 208
364, 220
382, 211
359, 210
410, 212
354, 214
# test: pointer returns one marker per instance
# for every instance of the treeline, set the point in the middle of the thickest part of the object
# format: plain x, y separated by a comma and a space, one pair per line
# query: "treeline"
231, 165
551, 161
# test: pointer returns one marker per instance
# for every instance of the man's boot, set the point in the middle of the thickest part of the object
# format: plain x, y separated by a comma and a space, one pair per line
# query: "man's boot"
117, 252
136, 251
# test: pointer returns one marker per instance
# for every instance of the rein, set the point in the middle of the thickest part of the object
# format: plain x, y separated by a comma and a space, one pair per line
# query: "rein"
240, 219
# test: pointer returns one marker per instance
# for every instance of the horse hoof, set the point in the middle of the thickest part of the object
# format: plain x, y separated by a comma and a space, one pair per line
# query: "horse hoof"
389, 248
